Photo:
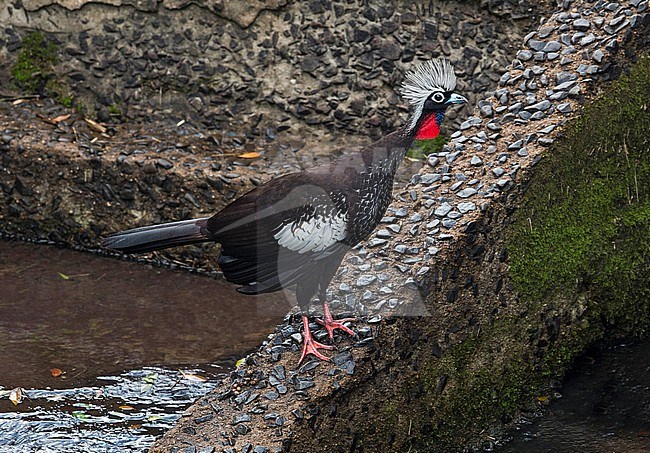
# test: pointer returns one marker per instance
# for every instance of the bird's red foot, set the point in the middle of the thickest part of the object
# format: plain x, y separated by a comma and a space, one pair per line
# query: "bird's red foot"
332, 324
309, 345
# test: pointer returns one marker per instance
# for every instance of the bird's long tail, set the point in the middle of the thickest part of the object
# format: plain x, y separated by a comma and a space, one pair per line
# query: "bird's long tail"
157, 237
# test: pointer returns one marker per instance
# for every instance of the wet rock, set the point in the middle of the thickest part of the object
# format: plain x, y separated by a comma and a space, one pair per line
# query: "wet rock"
581, 24
241, 418
164, 163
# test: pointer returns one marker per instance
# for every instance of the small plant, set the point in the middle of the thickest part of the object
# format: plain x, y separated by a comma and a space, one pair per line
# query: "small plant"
35, 66
115, 110
422, 148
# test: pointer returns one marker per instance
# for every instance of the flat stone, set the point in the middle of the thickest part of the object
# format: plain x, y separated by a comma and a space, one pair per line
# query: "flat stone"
598, 56
467, 192
524, 55
241, 418
432, 160
564, 76
443, 209
516, 145
544, 32
565, 85
540, 106
581, 24
536, 45
366, 280
498, 171
552, 46
587, 39
466, 207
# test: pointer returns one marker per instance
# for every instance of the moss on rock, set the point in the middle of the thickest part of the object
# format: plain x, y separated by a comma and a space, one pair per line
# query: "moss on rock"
579, 256
584, 225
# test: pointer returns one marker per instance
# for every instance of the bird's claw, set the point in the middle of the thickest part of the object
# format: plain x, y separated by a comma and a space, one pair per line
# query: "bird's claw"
332, 324
311, 346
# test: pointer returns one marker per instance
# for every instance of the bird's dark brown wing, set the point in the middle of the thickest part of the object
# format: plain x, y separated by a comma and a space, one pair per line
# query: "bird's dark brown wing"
275, 234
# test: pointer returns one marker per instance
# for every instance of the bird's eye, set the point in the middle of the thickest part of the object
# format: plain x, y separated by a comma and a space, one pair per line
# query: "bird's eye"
438, 97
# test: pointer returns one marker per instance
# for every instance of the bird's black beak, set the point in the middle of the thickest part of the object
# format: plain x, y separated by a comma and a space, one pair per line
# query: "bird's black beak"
456, 99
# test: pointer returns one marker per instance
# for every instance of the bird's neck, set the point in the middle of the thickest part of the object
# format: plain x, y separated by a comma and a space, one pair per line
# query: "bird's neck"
429, 125
389, 152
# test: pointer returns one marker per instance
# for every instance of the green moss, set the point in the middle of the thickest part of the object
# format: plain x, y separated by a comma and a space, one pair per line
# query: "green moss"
35, 70
579, 254
35, 65
584, 226
422, 148
115, 110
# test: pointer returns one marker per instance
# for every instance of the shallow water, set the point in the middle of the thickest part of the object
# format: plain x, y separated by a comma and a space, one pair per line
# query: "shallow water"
119, 332
604, 407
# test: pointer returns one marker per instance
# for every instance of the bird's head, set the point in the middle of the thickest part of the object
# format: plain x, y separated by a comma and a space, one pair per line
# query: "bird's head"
429, 89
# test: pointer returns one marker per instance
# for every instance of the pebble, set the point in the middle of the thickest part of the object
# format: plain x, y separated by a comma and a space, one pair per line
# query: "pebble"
466, 193
466, 207
164, 163
581, 24
366, 280
443, 209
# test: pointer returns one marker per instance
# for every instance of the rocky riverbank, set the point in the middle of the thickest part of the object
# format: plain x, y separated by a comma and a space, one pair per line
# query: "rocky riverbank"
470, 340
475, 344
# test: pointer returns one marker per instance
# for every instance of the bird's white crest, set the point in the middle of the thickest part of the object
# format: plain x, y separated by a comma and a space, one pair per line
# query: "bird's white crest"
426, 78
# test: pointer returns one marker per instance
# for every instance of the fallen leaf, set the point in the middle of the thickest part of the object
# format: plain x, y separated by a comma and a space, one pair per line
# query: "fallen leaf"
18, 101
60, 118
240, 362
63, 276
126, 408
95, 125
81, 415
56, 372
249, 155
193, 376
151, 378
16, 396
542, 399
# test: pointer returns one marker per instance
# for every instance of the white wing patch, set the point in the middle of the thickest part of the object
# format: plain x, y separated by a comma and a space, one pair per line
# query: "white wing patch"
312, 235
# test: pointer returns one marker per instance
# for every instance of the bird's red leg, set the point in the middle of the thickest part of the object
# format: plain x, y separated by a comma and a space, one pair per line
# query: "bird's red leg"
311, 346
332, 324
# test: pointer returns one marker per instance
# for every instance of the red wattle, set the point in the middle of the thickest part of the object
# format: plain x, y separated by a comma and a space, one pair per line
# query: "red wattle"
429, 128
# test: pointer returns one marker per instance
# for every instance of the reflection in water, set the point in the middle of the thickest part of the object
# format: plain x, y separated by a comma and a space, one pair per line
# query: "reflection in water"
91, 317
605, 407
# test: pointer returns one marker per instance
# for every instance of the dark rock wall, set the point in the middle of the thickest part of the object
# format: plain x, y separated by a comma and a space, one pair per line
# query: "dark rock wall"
321, 64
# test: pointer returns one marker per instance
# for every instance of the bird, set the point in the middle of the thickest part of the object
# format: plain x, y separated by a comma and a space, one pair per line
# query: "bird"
295, 230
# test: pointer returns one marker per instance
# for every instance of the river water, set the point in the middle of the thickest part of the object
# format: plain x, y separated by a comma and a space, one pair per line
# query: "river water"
108, 353
604, 407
